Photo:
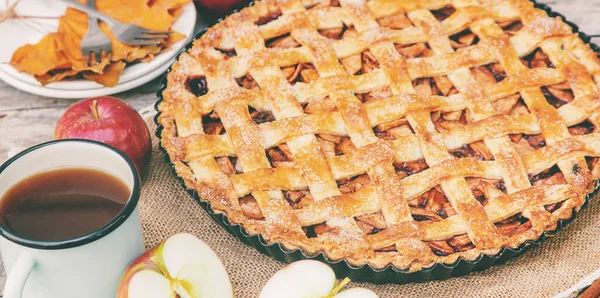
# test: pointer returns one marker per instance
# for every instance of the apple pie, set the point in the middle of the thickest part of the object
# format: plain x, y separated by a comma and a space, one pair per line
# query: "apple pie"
403, 133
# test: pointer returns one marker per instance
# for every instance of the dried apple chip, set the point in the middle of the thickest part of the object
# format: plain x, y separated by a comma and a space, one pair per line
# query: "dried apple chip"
156, 15
173, 38
71, 29
56, 75
40, 58
110, 76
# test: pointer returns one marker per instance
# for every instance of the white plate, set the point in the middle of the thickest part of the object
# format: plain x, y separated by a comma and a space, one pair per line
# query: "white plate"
33, 29
77, 94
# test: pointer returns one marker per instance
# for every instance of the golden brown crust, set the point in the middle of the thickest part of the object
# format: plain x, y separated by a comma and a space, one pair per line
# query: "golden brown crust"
386, 121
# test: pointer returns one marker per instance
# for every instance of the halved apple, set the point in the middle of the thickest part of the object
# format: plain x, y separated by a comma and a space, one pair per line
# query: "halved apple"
182, 265
309, 279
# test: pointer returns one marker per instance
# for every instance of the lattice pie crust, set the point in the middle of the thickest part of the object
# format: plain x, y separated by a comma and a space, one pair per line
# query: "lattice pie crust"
387, 132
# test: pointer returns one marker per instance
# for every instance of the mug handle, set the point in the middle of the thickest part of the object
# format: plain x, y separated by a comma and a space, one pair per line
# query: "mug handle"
15, 281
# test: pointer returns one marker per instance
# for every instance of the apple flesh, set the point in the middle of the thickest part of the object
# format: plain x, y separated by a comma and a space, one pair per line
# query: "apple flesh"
181, 266
309, 279
300, 279
356, 293
111, 121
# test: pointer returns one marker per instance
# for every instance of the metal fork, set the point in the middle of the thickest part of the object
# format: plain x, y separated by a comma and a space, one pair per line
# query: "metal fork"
95, 41
127, 33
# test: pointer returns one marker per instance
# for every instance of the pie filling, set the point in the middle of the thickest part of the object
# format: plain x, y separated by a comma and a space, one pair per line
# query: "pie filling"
432, 205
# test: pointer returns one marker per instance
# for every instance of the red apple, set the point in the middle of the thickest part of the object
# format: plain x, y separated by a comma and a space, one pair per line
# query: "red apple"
181, 266
215, 9
109, 120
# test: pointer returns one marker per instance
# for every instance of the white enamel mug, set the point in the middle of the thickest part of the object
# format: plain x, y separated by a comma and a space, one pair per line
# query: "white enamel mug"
89, 266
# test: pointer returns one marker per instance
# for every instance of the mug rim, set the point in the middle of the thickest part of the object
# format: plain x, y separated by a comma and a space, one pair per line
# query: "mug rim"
106, 229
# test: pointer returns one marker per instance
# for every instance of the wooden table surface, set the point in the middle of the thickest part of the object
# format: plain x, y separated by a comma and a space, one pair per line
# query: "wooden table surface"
26, 119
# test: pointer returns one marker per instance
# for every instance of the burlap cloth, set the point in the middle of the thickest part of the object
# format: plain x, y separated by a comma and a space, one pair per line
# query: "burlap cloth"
166, 209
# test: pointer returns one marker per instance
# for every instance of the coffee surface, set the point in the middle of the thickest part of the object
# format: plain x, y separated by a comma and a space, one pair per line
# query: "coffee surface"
62, 204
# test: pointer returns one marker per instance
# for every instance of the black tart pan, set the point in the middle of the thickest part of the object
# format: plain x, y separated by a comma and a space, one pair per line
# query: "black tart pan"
366, 273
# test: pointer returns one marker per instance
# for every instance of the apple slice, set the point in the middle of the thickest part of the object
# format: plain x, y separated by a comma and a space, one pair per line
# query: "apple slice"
309, 279
182, 265
306, 278
356, 293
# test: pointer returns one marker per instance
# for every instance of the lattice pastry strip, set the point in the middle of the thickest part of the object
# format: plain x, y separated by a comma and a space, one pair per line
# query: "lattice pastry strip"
376, 157
581, 84
480, 229
589, 59
586, 95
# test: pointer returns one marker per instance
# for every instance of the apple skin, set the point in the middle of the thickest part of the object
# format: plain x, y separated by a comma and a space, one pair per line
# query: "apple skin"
111, 121
143, 262
215, 9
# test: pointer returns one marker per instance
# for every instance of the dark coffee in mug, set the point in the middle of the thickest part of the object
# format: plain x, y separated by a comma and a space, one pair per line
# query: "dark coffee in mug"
62, 204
